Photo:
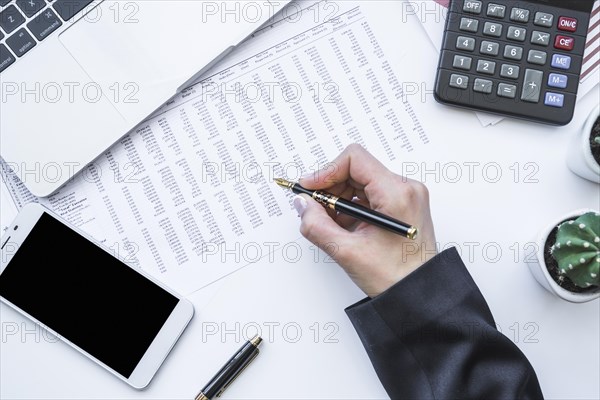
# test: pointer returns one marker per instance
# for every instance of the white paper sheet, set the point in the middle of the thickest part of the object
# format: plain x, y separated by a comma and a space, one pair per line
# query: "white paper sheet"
188, 194
8, 210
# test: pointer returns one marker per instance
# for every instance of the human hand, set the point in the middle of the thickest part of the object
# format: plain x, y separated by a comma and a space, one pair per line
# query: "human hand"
374, 258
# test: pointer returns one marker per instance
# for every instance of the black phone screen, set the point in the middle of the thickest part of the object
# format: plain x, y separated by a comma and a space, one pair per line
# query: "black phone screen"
86, 295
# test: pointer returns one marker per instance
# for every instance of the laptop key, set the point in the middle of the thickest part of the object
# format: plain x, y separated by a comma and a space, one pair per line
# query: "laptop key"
11, 18
6, 58
68, 8
4, 2
44, 24
20, 42
30, 7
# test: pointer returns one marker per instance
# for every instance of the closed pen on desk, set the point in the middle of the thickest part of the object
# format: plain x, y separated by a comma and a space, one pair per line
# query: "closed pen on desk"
231, 370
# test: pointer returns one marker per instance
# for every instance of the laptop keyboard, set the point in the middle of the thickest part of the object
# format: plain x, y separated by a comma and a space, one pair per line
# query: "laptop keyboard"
24, 23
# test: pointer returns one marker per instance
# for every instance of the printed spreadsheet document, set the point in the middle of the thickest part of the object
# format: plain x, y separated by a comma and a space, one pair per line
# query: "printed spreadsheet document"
188, 195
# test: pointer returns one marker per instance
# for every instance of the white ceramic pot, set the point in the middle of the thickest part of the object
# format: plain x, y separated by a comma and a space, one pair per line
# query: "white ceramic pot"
537, 265
579, 157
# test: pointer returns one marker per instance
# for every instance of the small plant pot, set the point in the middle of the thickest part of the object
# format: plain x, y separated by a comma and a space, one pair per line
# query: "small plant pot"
539, 269
580, 158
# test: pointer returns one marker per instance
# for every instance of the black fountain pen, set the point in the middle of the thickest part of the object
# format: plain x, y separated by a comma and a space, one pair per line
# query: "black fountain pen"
231, 370
357, 211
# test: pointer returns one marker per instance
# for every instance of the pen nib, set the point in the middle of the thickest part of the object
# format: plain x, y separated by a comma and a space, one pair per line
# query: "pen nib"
283, 183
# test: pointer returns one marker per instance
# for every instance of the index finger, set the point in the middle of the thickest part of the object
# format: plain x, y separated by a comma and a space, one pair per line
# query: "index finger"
354, 165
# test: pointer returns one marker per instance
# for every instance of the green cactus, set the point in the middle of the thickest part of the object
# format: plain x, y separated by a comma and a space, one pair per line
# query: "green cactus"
577, 250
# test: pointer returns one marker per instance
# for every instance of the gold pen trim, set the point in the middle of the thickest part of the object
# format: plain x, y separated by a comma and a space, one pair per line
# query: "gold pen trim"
326, 199
256, 341
201, 396
412, 233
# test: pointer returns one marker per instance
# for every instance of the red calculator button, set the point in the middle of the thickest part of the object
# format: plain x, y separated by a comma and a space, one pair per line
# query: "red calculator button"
567, 24
564, 42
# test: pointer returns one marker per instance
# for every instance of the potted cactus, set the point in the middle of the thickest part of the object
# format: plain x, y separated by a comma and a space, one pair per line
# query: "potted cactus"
567, 261
584, 153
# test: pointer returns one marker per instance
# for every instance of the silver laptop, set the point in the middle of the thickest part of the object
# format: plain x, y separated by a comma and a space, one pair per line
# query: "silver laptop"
77, 75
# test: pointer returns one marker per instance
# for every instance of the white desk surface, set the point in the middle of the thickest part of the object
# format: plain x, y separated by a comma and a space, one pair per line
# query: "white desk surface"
311, 349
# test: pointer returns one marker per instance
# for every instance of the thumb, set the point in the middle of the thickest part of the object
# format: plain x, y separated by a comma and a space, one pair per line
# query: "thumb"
317, 226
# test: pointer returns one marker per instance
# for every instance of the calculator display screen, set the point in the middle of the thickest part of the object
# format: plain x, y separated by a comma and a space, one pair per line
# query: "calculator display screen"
578, 5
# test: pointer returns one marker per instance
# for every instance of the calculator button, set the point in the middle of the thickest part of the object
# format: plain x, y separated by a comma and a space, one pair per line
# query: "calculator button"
462, 62
472, 6
540, 38
513, 52
567, 24
554, 100
491, 29
558, 81
486, 67
483, 86
459, 81
506, 90
465, 43
469, 25
532, 86
564, 42
496, 10
543, 19
489, 48
509, 71
561, 61
537, 57
519, 15
516, 33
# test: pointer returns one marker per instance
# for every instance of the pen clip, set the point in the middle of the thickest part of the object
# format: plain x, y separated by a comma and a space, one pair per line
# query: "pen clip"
234, 377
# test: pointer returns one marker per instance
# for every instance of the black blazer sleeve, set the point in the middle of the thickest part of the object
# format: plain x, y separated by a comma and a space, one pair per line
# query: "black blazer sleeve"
432, 336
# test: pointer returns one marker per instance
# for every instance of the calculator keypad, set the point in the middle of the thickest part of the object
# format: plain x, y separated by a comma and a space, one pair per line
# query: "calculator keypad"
516, 33
506, 90
543, 19
513, 52
519, 15
472, 7
496, 10
537, 57
523, 57
462, 62
469, 25
492, 29
540, 38
489, 48
510, 71
465, 43
486, 67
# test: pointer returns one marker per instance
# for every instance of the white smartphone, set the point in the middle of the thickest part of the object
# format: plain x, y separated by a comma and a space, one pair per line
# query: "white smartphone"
61, 278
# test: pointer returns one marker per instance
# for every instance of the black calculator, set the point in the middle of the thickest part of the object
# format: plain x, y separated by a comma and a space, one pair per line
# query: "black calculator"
516, 58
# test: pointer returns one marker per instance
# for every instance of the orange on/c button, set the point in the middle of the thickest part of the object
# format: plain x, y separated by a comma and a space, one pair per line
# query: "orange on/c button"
564, 42
567, 24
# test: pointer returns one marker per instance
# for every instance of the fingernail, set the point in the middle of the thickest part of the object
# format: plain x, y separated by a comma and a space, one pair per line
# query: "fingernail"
300, 205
